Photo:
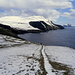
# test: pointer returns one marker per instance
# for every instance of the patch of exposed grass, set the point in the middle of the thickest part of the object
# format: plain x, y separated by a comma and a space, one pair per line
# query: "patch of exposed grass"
59, 66
8, 33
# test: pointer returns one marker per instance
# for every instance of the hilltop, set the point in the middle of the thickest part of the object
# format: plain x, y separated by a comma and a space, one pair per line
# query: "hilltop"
31, 24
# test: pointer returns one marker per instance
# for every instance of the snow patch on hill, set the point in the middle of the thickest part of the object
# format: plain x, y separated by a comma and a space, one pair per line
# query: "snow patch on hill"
21, 22
6, 41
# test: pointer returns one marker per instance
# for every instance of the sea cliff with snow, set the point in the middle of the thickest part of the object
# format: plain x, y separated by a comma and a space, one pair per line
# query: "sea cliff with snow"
31, 24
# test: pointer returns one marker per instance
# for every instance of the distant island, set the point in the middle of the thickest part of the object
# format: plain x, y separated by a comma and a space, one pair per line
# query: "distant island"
67, 25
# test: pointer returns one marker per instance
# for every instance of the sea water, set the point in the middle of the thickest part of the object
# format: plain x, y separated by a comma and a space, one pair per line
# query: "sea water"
65, 37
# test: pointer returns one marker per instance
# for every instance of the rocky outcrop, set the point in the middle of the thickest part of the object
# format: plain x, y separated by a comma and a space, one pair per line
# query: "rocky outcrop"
44, 26
41, 25
13, 30
59, 26
5, 26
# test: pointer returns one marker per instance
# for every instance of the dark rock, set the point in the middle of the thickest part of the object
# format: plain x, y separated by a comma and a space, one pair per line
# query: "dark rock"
37, 24
5, 26
40, 25
68, 25
47, 27
16, 31
59, 26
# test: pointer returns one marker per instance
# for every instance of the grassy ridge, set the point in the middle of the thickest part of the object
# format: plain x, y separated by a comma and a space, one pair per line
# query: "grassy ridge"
7, 32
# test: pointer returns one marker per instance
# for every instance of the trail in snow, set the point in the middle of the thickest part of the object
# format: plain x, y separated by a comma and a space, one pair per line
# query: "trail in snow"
47, 66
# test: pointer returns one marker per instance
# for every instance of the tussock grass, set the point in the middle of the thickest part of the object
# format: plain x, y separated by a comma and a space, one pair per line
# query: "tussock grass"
8, 33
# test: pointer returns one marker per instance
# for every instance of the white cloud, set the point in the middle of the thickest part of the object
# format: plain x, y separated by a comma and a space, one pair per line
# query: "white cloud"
13, 12
46, 8
47, 13
70, 14
21, 4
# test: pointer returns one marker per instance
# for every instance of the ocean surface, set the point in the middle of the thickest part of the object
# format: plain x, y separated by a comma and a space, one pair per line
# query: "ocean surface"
65, 37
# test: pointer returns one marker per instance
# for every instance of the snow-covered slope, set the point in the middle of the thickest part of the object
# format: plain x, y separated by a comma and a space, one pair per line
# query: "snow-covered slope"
62, 55
21, 22
8, 41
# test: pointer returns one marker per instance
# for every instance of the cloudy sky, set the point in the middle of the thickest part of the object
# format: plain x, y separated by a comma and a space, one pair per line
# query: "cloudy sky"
59, 11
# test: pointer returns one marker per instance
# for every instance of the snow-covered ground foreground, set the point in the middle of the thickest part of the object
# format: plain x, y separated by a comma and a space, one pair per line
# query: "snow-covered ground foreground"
18, 57
64, 57
61, 54
19, 60
22, 59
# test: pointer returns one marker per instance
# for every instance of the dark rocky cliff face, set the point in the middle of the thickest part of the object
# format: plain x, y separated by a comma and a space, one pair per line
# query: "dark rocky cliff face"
44, 26
59, 26
40, 25
5, 26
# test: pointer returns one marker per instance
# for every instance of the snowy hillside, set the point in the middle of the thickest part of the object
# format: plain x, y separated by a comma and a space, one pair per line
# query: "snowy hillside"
24, 23
21, 22
8, 41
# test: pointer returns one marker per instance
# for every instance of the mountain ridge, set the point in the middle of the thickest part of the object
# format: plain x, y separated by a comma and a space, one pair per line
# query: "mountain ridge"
28, 24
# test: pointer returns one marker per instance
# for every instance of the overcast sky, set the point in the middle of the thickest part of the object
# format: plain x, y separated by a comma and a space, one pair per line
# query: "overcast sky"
59, 11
